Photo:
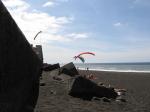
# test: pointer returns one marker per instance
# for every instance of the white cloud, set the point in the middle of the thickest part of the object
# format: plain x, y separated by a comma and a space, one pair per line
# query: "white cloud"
32, 21
63, 0
17, 5
121, 24
46, 38
117, 24
77, 35
58, 54
48, 4
51, 3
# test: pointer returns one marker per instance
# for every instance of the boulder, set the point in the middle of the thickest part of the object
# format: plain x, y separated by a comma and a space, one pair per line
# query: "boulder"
69, 69
49, 67
106, 99
121, 99
86, 89
20, 68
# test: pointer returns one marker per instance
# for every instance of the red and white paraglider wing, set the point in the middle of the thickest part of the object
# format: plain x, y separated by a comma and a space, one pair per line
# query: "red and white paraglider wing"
80, 56
86, 53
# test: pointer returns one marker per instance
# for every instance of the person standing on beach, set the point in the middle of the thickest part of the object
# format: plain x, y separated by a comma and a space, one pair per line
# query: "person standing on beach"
87, 68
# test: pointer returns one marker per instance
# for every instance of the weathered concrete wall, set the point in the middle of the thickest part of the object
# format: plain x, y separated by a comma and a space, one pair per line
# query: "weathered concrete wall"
38, 51
19, 68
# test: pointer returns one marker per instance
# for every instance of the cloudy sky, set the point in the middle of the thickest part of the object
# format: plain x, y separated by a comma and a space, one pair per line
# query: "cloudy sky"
115, 30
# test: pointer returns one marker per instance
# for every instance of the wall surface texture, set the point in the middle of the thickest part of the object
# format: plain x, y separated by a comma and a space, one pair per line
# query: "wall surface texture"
20, 68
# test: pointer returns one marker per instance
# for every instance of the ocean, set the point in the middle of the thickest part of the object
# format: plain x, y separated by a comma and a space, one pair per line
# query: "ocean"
116, 67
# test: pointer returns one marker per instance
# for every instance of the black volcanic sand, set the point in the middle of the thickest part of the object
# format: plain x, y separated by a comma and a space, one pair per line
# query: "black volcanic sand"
53, 97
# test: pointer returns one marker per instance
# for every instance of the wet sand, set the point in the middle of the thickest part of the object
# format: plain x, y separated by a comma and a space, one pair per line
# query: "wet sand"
53, 97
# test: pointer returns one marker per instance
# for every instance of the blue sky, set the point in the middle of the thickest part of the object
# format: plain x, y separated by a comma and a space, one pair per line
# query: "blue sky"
115, 30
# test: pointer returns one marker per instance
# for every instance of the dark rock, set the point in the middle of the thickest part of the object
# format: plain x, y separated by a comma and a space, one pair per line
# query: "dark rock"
121, 93
53, 92
42, 84
100, 83
96, 98
105, 99
49, 67
86, 89
57, 78
20, 68
121, 99
69, 69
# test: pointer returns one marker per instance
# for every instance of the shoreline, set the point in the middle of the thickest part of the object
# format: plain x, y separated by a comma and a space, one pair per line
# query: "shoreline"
122, 71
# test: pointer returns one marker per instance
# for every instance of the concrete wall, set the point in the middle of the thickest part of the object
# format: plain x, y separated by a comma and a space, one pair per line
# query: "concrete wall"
38, 51
20, 68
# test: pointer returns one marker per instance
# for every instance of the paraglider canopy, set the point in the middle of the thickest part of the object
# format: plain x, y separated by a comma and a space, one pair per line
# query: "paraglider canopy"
37, 34
80, 56
86, 53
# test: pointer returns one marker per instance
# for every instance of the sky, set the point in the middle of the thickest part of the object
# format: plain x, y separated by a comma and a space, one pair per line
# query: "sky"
115, 30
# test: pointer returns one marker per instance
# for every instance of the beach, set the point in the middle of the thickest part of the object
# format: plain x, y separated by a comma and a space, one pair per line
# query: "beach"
53, 96
120, 34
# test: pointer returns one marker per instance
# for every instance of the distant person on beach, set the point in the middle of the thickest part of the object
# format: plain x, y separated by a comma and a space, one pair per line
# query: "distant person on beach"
87, 69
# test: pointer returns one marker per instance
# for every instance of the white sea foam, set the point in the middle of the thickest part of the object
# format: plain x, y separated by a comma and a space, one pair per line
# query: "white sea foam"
115, 70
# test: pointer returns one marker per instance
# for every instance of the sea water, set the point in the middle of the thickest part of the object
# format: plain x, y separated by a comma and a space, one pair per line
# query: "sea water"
116, 67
